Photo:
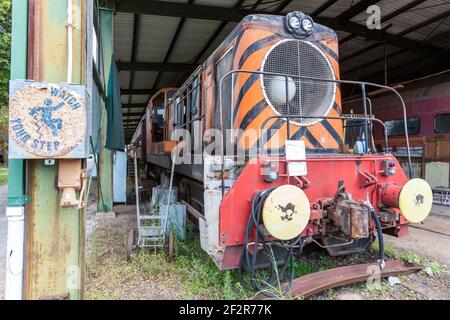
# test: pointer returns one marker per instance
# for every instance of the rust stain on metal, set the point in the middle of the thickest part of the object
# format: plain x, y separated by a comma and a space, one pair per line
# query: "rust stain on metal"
55, 236
314, 283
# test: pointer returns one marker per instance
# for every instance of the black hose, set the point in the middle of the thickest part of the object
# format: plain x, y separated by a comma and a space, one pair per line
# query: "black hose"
380, 237
261, 238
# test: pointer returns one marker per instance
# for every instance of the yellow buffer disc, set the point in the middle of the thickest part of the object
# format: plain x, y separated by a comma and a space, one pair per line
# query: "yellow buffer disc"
286, 212
416, 200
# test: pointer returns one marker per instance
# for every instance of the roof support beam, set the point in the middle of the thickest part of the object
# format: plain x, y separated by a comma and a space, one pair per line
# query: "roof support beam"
216, 33
400, 10
323, 7
172, 45
134, 46
143, 92
282, 6
133, 105
438, 37
181, 10
134, 114
387, 17
405, 43
417, 68
235, 15
153, 66
379, 36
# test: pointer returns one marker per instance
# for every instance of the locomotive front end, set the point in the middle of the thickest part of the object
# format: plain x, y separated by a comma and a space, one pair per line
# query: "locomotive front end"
300, 184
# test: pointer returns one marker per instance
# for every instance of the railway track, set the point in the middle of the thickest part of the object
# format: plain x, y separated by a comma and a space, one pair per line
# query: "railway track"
429, 230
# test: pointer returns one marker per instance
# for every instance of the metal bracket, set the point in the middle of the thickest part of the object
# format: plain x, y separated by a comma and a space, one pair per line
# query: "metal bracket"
18, 201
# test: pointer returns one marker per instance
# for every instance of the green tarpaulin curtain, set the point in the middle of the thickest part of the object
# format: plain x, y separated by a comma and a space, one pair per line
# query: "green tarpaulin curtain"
115, 137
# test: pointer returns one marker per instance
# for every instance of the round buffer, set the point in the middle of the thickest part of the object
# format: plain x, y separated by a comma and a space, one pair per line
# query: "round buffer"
286, 212
416, 200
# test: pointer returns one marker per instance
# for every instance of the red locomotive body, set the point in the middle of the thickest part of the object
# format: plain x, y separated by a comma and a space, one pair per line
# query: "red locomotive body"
274, 84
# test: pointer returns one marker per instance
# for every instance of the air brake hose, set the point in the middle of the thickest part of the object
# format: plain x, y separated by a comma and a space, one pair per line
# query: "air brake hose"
261, 238
380, 237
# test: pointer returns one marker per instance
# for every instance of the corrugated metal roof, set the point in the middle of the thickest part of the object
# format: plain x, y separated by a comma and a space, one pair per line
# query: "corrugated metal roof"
123, 32
156, 34
192, 39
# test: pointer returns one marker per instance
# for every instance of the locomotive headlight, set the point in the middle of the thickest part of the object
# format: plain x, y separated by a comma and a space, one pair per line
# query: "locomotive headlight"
279, 89
307, 25
299, 24
294, 22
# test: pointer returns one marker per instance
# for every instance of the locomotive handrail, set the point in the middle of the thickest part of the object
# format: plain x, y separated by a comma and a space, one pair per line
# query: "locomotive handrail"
369, 101
371, 119
360, 83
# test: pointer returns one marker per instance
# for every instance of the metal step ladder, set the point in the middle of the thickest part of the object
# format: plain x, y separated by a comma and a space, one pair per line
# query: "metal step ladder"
151, 221
130, 169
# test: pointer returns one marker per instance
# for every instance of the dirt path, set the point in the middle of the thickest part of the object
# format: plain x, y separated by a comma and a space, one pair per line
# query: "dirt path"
433, 245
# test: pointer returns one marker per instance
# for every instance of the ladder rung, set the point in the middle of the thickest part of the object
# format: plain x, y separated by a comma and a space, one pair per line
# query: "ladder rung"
150, 217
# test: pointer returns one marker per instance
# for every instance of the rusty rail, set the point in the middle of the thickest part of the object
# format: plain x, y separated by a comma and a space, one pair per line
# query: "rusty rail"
317, 282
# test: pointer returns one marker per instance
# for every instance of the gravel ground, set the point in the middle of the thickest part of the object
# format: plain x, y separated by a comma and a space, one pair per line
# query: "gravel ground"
415, 286
430, 239
3, 236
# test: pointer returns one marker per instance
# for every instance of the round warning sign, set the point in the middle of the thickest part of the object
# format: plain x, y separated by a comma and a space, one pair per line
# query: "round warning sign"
47, 121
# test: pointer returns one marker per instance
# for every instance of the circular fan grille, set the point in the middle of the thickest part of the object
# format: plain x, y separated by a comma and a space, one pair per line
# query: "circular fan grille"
305, 97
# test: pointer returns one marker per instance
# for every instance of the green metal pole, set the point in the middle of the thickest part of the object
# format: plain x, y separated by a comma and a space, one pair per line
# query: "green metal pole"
106, 156
19, 46
17, 200
55, 236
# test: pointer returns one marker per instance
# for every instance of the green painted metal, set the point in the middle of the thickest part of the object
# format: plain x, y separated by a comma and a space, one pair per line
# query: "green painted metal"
19, 45
106, 156
55, 236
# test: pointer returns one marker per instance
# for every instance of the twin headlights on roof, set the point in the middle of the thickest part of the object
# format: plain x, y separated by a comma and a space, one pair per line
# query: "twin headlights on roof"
299, 24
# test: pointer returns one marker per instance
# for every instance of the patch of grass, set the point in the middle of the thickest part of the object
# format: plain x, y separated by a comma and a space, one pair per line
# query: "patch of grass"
304, 267
201, 277
313, 263
192, 274
3, 176
409, 294
377, 290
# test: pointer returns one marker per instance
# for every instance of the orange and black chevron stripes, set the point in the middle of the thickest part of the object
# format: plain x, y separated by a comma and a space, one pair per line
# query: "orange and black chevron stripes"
250, 109
249, 56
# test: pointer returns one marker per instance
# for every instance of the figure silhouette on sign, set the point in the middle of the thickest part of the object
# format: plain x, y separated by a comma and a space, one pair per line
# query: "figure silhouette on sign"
47, 117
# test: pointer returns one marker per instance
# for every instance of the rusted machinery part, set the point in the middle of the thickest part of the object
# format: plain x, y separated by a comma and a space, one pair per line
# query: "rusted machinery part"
130, 244
317, 282
171, 246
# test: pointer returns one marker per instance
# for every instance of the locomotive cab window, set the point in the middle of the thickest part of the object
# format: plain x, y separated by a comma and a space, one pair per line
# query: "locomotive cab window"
397, 127
442, 123
158, 118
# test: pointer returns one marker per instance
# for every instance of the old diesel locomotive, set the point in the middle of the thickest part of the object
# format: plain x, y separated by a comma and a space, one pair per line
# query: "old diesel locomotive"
276, 79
